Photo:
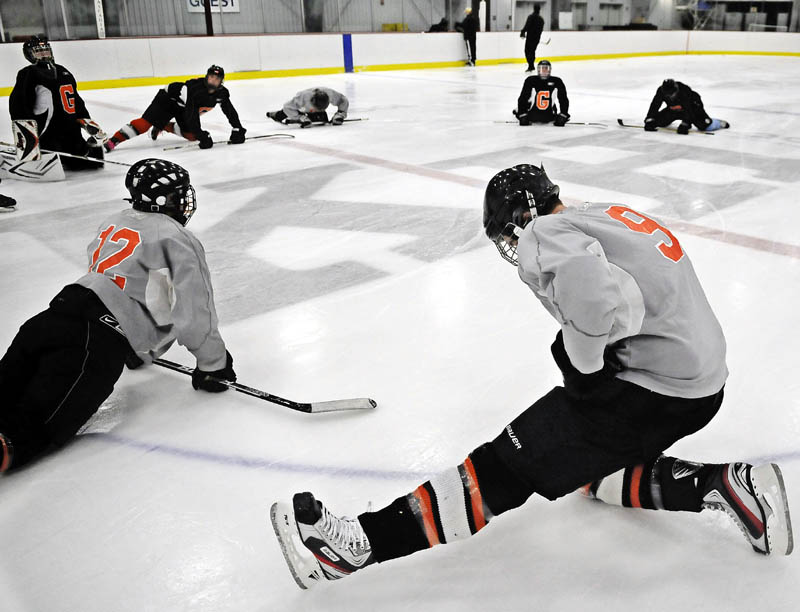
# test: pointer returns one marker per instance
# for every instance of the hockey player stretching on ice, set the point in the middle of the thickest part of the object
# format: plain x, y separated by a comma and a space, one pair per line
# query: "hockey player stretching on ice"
536, 103
643, 361
185, 102
309, 106
682, 104
148, 285
45, 96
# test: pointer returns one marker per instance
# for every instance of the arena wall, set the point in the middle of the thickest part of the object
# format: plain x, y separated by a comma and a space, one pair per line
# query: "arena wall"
127, 62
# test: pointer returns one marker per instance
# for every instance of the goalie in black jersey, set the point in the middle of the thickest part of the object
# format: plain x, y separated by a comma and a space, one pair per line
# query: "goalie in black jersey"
48, 111
185, 103
536, 103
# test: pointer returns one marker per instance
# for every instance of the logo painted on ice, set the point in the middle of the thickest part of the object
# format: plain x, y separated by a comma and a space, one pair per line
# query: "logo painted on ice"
514, 438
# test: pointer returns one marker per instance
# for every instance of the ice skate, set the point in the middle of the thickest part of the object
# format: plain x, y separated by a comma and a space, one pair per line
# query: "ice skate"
274, 116
316, 544
7, 205
755, 498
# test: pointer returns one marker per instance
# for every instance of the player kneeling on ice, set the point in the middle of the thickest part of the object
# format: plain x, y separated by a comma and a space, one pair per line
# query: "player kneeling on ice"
148, 285
185, 103
308, 106
643, 362
536, 103
682, 104
48, 112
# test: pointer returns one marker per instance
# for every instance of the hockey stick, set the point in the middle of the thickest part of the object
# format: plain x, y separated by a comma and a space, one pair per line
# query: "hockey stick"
196, 143
321, 123
83, 157
357, 403
668, 129
589, 123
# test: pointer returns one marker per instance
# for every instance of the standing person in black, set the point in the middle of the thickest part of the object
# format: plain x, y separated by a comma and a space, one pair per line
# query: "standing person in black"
532, 33
46, 92
185, 102
469, 28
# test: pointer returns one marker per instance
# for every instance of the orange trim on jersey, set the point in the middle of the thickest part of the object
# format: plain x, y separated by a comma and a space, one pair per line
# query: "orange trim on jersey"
426, 514
6, 463
636, 480
475, 496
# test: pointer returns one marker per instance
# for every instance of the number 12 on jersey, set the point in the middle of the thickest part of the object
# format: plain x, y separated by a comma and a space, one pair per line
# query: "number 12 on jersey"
131, 239
638, 222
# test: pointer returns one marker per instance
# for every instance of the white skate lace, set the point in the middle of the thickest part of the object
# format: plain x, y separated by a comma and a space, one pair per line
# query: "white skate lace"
344, 532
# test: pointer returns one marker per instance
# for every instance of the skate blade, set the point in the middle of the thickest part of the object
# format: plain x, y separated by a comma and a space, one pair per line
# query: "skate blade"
779, 525
305, 569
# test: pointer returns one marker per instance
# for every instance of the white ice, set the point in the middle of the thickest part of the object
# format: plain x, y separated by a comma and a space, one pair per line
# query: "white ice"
350, 262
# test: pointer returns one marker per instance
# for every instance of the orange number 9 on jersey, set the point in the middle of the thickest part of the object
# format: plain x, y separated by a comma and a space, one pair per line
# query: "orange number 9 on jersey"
645, 225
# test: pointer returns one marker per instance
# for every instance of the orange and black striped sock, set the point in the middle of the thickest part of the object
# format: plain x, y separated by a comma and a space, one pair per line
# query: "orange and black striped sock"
131, 130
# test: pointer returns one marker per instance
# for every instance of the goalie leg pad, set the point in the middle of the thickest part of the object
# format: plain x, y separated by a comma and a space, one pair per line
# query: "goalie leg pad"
26, 137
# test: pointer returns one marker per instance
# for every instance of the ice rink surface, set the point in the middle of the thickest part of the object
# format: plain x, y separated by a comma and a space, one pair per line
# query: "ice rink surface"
350, 261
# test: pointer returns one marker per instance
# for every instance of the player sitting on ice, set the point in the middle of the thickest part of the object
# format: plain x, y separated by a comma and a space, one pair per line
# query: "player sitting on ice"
48, 112
682, 104
308, 106
643, 363
536, 103
148, 285
185, 103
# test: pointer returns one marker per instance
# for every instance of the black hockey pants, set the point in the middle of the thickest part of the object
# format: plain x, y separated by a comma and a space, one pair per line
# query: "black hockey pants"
59, 369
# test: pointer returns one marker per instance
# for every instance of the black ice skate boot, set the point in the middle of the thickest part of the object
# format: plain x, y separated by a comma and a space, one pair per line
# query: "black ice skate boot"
337, 546
755, 498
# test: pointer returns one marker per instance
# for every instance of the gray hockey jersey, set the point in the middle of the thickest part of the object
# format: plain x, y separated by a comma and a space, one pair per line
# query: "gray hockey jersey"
609, 274
151, 273
301, 103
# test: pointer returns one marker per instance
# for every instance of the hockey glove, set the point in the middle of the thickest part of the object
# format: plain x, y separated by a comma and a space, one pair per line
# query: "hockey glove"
524, 119
205, 140
237, 135
97, 137
597, 386
561, 120
650, 125
210, 381
304, 121
337, 119
683, 128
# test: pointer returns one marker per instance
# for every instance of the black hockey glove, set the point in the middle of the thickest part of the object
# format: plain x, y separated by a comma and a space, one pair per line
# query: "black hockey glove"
237, 135
683, 128
132, 360
524, 119
560, 120
587, 387
209, 381
304, 121
338, 119
650, 125
205, 140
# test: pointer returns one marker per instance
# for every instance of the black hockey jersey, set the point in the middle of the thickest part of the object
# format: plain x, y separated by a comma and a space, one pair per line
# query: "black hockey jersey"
685, 103
193, 98
49, 95
536, 99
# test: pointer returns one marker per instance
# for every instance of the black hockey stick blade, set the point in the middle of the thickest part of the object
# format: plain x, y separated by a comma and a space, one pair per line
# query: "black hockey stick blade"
196, 143
313, 123
584, 123
83, 157
622, 123
357, 403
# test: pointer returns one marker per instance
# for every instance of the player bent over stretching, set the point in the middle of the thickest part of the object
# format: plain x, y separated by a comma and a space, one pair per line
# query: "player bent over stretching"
185, 102
643, 361
148, 285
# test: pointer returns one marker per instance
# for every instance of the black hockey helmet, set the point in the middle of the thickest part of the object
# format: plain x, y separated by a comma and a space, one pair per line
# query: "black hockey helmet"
215, 70
670, 89
320, 100
37, 50
544, 68
513, 198
158, 185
